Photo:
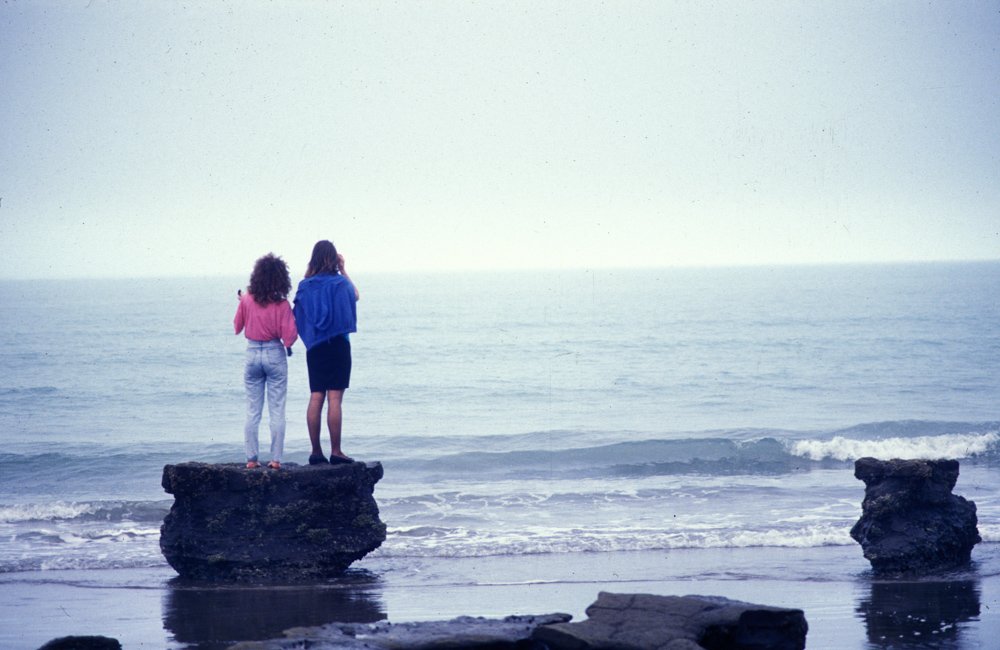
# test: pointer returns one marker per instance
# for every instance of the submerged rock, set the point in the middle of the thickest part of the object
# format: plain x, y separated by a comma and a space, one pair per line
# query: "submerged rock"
911, 523
82, 643
464, 632
293, 524
641, 621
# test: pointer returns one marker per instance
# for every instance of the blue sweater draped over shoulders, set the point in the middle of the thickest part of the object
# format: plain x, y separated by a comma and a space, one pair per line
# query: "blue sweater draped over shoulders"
325, 306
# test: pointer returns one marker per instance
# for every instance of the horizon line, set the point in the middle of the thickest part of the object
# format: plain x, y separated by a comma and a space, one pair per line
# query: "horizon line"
530, 269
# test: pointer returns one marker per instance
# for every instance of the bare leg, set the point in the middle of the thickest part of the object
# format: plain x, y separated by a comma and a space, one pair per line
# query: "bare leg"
313, 414
334, 420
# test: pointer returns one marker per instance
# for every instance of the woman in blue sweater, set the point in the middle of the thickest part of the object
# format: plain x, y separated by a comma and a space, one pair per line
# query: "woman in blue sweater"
325, 314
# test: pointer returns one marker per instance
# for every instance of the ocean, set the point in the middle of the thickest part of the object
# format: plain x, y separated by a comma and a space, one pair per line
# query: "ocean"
523, 414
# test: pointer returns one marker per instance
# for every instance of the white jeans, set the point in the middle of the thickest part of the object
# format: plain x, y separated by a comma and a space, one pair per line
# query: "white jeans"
266, 368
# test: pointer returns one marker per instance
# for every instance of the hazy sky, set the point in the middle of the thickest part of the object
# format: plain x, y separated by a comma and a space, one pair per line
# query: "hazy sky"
161, 138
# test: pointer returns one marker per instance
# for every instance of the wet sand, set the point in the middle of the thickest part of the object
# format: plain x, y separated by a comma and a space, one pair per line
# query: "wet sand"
151, 608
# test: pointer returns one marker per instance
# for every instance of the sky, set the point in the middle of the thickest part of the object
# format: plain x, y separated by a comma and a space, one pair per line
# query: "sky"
165, 138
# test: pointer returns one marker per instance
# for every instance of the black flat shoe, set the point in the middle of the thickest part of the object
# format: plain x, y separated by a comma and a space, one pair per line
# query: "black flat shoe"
317, 459
340, 460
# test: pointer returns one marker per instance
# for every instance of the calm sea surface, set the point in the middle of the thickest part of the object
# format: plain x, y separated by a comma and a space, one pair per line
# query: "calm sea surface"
517, 413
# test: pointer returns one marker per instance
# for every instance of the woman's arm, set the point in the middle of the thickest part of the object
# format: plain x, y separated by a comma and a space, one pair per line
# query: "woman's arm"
289, 332
240, 319
343, 271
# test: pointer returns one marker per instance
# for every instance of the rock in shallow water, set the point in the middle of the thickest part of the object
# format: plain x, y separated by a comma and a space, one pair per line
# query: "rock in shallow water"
911, 523
616, 621
293, 524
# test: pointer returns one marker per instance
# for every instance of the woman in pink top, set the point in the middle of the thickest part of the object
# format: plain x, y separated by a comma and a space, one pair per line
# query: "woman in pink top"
266, 317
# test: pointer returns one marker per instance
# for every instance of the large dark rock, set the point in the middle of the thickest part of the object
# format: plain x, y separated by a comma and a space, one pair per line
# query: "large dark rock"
644, 622
911, 523
293, 524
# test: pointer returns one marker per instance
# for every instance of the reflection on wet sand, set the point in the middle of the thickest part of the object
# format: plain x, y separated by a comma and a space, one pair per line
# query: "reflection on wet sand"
210, 616
919, 614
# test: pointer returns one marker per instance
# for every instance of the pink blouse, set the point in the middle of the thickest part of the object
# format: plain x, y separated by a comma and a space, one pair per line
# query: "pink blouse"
265, 323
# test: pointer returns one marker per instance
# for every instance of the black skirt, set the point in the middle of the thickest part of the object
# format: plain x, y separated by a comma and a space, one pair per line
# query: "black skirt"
329, 365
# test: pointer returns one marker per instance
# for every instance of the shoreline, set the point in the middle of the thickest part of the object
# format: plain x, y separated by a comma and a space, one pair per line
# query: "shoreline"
850, 609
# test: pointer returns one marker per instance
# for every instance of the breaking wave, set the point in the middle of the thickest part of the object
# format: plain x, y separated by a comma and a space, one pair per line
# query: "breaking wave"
723, 453
111, 511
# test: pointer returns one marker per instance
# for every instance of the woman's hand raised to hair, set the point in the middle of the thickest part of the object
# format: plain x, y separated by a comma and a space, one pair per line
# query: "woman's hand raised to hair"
343, 271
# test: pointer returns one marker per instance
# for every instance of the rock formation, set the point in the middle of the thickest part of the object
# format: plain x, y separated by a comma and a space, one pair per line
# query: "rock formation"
642, 621
619, 621
293, 524
911, 523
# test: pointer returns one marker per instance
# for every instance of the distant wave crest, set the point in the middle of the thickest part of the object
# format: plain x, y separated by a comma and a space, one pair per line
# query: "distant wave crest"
112, 511
967, 445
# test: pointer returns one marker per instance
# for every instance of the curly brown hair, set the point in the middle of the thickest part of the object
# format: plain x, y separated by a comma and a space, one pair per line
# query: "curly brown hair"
269, 282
